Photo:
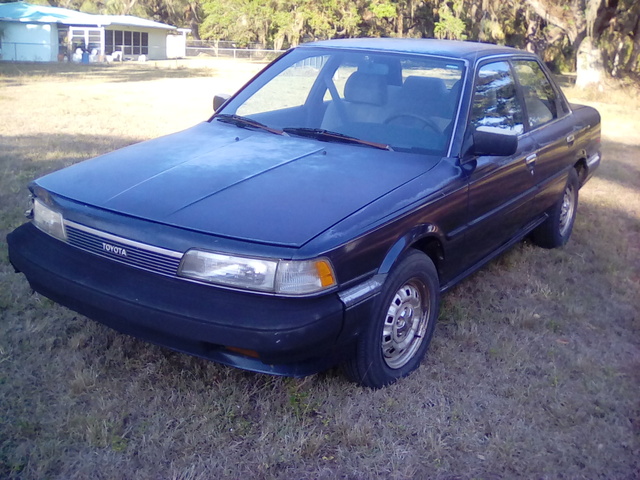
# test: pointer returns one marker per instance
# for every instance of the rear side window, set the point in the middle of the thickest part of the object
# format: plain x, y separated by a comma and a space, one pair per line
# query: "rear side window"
540, 98
495, 104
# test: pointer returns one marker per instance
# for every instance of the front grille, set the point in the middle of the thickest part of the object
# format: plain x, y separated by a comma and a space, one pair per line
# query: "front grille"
146, 257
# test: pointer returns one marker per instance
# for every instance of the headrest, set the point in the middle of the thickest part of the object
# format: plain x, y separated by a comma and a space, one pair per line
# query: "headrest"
455, 89
366, 88
420, 87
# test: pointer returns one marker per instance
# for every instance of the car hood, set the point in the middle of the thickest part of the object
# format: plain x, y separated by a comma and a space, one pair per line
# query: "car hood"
237, 183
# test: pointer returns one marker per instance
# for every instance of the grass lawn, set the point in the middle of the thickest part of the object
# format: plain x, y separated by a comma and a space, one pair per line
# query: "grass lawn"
534, 370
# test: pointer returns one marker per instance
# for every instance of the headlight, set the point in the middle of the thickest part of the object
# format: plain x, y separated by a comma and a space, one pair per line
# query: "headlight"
264, 275
243, 272
48, 220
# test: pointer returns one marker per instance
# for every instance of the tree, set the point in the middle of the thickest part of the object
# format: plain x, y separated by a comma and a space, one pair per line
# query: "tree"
278, 22
621, 41
449, 24
182, 13
594, 36
583, 23
228, 20
383, 17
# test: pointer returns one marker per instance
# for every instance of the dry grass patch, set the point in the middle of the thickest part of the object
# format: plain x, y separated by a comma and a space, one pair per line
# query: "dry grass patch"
533, 371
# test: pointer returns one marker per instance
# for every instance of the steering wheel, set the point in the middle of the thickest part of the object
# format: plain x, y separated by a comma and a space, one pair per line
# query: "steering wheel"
427, 121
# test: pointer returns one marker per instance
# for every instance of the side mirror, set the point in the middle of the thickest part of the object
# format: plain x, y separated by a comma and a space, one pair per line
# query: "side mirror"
219, 100
492, 143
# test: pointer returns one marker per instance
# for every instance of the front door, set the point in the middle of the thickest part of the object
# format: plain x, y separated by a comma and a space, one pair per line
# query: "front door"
501, 189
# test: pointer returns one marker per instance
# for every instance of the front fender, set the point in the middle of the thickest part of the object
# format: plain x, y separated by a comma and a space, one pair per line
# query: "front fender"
417, 234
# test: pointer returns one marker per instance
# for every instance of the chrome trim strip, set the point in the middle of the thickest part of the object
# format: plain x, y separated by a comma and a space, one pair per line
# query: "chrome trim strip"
361, 292
125, 241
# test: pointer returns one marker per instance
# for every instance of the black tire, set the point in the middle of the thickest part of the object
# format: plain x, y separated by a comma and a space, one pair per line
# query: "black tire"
404, 318
556, 230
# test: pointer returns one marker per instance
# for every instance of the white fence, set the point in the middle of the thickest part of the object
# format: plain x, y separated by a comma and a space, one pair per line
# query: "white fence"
230, 50
23, 51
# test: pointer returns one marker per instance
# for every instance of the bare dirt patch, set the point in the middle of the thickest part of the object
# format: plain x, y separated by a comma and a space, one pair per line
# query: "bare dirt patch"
534, 371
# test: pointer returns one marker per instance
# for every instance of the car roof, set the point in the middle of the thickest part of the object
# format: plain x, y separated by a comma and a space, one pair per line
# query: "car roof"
428, 46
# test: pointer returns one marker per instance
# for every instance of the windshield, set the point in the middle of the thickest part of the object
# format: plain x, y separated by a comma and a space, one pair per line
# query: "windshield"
400, 101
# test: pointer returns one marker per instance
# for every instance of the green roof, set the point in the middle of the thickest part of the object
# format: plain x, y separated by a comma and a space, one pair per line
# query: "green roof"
28, 13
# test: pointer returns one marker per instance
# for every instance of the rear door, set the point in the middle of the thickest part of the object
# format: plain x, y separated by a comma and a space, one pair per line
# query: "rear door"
552, 128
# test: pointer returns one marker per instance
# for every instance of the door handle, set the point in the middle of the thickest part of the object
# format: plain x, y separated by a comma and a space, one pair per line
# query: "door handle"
530, 160
571, 138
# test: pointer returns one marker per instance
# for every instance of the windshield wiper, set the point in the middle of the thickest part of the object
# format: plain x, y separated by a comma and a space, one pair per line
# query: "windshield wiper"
329, 136
244, 122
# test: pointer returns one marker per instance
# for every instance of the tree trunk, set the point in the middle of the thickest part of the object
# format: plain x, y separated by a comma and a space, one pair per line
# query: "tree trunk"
589, 66
616, 59
632, 63
195, 33
400, 22
194, 20
532, 30
634, 59
278, 42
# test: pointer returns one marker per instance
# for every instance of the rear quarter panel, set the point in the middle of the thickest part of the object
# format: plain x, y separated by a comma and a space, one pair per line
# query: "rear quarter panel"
557, 154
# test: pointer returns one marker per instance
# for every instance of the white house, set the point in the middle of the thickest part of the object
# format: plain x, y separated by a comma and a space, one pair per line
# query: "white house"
39, 33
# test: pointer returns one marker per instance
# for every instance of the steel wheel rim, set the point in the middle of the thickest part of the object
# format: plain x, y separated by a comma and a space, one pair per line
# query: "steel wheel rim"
567, 208
405, 324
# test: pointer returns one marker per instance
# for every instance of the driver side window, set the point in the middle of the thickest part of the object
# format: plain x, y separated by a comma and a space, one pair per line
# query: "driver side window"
495, 104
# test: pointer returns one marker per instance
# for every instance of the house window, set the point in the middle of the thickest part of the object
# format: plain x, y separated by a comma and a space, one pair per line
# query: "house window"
86, 39
108, 41
127, 42
63, 44
136, 43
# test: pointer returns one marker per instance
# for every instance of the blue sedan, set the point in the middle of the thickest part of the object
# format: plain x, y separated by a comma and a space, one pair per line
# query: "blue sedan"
316, 218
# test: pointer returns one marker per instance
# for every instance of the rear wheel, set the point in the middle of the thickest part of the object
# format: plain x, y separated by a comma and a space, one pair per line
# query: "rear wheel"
402, 325
556, 230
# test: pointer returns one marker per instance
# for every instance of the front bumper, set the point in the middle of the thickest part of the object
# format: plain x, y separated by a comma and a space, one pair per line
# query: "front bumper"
292, 336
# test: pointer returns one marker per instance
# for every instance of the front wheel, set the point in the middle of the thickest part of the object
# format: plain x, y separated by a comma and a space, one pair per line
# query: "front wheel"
556, 230
403, 322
